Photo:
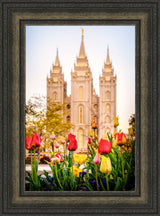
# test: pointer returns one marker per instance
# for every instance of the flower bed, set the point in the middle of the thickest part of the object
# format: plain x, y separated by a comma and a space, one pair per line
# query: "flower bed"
109, 165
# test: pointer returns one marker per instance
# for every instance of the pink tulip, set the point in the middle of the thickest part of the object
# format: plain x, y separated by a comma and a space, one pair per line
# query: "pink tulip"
96, 159
57, 145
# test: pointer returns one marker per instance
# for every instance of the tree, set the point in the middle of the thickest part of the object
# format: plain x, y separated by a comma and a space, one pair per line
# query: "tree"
132, 123
45, 119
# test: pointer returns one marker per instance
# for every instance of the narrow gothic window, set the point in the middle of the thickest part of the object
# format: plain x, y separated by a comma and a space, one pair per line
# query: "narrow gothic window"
108, 95
80, 114
55, 96
68, 119
80, 93
108, 108
108, 120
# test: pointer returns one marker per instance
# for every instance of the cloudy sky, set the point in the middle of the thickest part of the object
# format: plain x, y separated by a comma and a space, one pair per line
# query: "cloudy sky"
42, 43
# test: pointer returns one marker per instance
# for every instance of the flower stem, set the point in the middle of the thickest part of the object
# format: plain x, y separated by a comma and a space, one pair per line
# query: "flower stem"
122, 165
35, 173
31, 159
64, 152
107, 182
72, 160
57, 176
96, 176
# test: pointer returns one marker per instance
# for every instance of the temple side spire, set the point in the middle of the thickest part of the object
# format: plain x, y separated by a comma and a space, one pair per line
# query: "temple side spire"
57, 63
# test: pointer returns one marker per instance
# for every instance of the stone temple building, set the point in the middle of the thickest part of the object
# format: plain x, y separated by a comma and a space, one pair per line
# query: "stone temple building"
84, 105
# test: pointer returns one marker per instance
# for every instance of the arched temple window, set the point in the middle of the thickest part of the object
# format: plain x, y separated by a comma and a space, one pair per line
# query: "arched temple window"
108, 119
54, 96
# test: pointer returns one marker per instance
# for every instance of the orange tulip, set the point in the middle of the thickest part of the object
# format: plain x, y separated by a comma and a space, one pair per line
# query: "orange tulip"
93, 125
120, 139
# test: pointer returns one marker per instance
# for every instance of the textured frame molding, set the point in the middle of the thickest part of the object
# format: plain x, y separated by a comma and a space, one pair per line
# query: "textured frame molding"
144, 15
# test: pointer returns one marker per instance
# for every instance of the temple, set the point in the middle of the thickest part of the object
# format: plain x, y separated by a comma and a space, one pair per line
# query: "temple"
84, 105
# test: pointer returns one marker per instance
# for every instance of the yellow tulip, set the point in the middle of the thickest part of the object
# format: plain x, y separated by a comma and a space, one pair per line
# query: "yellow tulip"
113, 133
130, 130
76, 171
90, 133
79, 158
106, 166
116, 123
95, 150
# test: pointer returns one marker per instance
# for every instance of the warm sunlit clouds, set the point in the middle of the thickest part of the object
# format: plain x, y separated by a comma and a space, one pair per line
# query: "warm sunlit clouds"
43, 41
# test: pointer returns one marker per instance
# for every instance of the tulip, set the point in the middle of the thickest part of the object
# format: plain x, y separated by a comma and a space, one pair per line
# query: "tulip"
90, 133
96, 159
72, 144
104, 146
36, 141
57, 145
113, 133
76, 171
95, 150
28, 141
55, 160
130, 130
106, 166
53, 136
58, 155
80, 159
71, 136
89, 140
93, 124
62, 140
116, 123
120, 139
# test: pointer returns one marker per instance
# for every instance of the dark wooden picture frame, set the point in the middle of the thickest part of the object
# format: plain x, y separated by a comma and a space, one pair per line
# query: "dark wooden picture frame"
15, 16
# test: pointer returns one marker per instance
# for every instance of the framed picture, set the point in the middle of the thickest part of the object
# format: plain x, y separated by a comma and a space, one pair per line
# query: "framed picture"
19, 20
82, 102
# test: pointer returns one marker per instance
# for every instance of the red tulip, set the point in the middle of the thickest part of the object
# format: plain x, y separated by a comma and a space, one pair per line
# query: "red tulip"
104, 147
89, 140
58, 155
36, 141
96, 159
28, 141
71, 136
72, 144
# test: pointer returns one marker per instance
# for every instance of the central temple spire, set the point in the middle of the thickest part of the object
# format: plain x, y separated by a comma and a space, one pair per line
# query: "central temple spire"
108, 58
82, 50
